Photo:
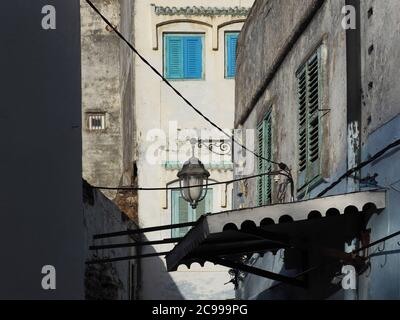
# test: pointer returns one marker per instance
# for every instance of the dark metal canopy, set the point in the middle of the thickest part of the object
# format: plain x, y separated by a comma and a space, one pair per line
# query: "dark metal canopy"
319, 225
219, 237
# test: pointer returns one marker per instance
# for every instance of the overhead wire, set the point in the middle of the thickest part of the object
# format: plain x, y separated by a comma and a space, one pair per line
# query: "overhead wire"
281, 165
360, 166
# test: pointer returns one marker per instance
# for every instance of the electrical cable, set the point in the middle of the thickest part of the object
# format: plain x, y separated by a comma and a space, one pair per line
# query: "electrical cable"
272, 173
360, 166
372, 244
281, 165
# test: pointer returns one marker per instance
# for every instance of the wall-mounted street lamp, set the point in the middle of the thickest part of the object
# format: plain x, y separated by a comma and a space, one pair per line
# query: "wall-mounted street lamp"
193, 179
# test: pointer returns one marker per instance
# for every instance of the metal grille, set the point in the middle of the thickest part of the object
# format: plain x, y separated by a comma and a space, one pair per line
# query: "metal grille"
96, 122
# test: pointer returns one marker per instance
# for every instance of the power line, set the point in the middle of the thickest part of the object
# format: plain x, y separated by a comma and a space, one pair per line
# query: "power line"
272, 173
393, 235
281, 165
372, 244
360, 166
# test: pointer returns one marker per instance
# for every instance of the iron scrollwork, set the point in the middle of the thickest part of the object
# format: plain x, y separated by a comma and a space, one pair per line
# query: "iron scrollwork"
220, 147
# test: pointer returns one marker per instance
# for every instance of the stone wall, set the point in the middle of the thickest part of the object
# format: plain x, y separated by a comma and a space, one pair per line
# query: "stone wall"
107, 87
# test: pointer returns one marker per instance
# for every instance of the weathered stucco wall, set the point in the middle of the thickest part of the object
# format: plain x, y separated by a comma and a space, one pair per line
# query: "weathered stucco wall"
280, 96
107, 87
380, 121
102, 150
256, 64
380, 28
381, 94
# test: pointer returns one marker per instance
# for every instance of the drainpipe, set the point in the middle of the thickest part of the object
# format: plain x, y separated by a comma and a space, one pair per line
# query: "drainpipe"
354, 94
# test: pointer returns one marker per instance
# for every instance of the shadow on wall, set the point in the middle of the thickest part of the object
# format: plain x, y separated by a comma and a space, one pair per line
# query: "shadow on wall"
106, 281
324, 280
156, 283
120, 280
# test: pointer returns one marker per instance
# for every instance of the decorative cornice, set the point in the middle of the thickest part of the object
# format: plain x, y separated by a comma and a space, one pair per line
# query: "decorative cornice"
201, 11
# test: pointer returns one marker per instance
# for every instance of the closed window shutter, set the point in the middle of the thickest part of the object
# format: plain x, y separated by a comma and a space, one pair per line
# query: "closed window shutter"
184, 212
180, 213
193, 54
314, 127
264, 187
267, 165
174, 57
303, 123
204, 206
231, 45
309, 135
260, 165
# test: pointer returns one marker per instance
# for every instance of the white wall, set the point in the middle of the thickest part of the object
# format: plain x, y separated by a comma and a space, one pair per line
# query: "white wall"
155, 106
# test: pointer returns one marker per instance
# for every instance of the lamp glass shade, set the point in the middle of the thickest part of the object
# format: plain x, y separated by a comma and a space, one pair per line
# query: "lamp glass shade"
192, 194
191, 180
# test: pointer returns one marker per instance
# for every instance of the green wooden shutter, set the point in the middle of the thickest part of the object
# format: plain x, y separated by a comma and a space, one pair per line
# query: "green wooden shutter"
267, 155
260, 165
303, 124
314, 121
174, 62
309, 120
264, 143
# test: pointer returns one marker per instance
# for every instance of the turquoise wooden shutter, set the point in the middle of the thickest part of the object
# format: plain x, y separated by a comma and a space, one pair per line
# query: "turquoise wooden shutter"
193, 57
231, 45
180, 213
204, 206
174, 64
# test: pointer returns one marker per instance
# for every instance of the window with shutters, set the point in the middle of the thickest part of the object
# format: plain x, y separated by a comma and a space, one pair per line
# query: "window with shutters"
309, 120
264, 148
183, 56
182, 211
230, 53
